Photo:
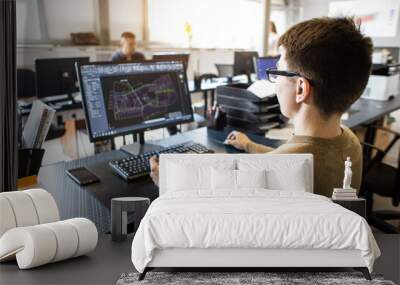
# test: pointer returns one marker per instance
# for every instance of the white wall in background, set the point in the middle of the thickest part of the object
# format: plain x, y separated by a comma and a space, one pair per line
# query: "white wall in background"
314, 9
380, 19
126, 15
215, 24
28, 25
72, 16
320, 8
279, 17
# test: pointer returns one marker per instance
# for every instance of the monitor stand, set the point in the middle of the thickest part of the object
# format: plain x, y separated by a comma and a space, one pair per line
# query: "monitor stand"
140, 147
249, 78
71, 98
60, 100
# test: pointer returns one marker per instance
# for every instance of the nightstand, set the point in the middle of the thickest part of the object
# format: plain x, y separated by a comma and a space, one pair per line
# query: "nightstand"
356, 205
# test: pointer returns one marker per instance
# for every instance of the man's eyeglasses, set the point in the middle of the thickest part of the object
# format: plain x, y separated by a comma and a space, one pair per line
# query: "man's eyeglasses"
273, 73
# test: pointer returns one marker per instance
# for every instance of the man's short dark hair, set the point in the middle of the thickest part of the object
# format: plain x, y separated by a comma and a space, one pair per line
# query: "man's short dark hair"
334, 55
128, 35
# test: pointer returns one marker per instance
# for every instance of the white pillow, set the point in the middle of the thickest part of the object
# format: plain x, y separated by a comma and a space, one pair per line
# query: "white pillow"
280, 175
251, 178
185, 175
293, 179
223, 179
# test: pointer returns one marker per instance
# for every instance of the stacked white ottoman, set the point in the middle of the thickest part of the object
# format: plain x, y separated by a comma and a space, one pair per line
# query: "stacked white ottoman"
31, 230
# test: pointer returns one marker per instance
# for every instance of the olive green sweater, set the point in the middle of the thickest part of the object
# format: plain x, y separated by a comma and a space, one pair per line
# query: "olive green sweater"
329, 157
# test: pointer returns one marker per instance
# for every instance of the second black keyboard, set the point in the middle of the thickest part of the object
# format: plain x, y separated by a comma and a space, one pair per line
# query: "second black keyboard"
136, 166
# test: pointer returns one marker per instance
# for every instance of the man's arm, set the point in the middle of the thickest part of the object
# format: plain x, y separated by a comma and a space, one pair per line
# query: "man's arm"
154, 169
241, 141
252, 147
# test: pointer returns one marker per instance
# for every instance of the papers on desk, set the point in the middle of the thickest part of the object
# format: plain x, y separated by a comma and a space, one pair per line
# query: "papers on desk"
262, 89
78, 97
37, 125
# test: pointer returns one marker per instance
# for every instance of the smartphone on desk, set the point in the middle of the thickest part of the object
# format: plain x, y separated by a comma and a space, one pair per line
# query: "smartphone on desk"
82, 176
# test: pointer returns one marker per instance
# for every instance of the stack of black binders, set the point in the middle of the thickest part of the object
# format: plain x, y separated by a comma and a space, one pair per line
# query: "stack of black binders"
248, 112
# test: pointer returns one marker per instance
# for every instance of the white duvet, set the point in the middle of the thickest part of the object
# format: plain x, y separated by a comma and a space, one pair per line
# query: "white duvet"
250, 219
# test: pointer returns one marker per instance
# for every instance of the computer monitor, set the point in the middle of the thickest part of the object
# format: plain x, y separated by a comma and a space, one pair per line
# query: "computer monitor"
57, 76
26, 83
184, 57
262, 63
132, 97
243, 62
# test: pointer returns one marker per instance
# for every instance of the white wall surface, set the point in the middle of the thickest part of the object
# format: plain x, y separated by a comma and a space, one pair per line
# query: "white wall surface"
320, 8
126, 15
215, 23
314, 8
28, 25
72, 16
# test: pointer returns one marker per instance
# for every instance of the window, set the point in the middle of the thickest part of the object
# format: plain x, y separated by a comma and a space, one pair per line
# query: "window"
28, 21
72, 16
125, 15
45, 21
214, 24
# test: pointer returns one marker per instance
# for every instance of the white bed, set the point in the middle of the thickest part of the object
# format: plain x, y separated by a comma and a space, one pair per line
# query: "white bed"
202, 220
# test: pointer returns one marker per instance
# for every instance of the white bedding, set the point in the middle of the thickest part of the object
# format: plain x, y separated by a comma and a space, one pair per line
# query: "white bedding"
250, 219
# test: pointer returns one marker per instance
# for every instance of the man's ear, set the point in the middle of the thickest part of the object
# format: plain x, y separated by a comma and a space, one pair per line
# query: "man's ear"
303, 90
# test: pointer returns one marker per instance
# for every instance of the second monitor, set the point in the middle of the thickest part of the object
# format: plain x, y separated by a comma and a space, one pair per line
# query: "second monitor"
132, 97
184, 57
57, 76
244, 62
263, 63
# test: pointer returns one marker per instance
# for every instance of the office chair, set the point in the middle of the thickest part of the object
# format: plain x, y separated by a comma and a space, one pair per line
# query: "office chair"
26, 83
207, 76
383, 180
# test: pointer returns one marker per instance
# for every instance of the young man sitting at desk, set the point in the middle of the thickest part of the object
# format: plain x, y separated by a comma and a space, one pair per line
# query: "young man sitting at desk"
323, 69
128, 49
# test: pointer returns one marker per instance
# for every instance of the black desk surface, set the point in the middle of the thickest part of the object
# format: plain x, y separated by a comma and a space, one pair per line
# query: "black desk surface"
365, 111
93, 201
60, 105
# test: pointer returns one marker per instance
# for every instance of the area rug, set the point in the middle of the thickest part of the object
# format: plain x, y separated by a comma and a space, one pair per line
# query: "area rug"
243, 278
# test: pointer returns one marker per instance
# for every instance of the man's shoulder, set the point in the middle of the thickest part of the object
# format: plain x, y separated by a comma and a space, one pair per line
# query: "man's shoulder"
348, 140
293, 148
117, 56
138, 55
349, 135
352, 142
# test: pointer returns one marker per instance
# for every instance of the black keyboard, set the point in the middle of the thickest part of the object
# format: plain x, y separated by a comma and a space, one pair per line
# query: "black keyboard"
135, 166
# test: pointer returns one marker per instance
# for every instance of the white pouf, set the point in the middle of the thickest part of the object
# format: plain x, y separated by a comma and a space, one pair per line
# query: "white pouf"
31, 233
37, 245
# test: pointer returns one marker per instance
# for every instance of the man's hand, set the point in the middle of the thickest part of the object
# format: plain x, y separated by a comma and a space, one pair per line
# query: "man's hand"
238, 140
154, 169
